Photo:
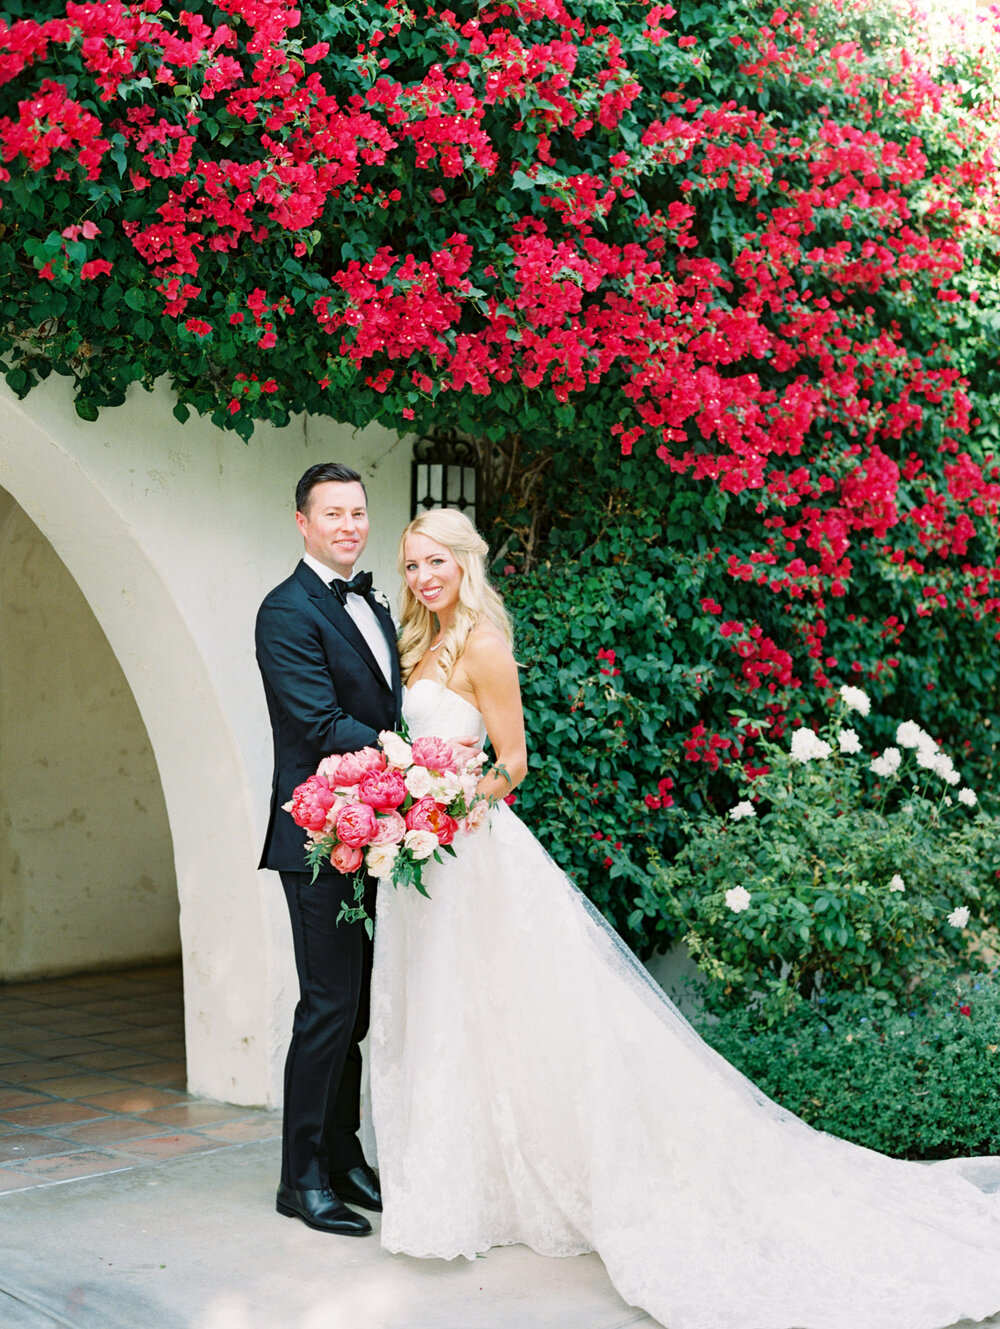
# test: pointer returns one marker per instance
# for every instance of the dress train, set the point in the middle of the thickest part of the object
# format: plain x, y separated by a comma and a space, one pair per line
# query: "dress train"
531, 1083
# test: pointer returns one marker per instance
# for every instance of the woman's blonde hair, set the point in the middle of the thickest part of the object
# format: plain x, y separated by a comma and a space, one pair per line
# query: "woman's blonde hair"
476, 597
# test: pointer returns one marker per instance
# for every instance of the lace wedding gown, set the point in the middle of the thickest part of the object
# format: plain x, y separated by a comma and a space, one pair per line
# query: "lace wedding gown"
530, 1083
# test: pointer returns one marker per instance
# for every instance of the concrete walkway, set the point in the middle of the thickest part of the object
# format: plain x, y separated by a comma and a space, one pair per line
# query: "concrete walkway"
195, 1243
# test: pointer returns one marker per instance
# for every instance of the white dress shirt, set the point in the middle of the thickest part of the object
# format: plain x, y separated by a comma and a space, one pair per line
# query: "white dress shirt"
363, 616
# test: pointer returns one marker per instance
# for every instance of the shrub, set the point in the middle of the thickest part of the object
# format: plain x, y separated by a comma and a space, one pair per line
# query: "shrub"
911, 1079
832, 871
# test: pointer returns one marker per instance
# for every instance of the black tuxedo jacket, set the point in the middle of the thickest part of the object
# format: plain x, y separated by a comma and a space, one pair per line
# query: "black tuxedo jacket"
325, 693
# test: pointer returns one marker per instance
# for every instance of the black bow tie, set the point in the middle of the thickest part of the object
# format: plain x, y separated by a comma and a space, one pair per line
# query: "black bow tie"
360, 584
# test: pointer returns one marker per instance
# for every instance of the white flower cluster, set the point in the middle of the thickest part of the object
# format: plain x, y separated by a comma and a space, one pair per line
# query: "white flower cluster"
959, 917
848, 741
888, 763
910, 735
896, 883
806, 746
931, 758
855, 699
741, 810
738, 899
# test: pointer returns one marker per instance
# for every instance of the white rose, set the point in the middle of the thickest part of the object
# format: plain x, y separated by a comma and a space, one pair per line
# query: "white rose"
888, 763
807, 747
741, 810
968, 797
379, 860
927, 754
945, 768
738, 899
855, 699
910, 735
896, 883
420, 844
418, 781
959, 917
849, 741
397, 751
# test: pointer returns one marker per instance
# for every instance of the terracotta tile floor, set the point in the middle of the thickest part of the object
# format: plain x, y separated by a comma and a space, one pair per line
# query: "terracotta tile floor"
92, 1080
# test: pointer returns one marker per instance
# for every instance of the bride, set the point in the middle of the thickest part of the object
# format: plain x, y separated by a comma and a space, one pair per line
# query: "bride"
530, 1082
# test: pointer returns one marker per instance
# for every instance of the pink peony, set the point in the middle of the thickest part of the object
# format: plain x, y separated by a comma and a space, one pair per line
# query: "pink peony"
382, 790
353, 765
310, 803
332, 813
346, 858
477, 815
426, 815
356, 825
328, 768
390, 829
435, 754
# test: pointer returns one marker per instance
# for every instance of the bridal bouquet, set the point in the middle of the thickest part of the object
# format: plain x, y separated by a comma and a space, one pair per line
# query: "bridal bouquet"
385, 812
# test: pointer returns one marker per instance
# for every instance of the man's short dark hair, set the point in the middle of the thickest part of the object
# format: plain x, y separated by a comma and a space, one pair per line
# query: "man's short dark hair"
319, 474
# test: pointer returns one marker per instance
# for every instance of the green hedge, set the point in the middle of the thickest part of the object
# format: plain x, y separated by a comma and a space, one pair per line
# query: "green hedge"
919, 1081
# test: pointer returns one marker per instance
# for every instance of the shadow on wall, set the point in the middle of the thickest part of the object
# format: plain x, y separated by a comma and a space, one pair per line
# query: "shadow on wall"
86, 861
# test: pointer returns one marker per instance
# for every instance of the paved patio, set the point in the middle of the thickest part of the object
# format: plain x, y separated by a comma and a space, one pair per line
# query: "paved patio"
92, 1080
128, 1204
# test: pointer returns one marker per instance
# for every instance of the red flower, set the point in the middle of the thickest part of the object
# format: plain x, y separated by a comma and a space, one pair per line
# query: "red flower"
609, 657
94, 268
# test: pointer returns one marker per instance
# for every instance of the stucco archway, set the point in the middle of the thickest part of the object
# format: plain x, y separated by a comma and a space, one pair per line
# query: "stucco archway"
206, 797
173, 534
86, 860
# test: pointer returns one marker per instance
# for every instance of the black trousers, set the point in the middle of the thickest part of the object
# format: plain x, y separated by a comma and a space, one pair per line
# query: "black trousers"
323, 1066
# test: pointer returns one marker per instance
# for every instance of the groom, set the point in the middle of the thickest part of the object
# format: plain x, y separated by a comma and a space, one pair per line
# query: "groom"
327, 650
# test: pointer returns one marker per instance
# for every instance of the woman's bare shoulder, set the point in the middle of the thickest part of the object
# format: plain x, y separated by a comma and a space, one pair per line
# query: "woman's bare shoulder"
486, 644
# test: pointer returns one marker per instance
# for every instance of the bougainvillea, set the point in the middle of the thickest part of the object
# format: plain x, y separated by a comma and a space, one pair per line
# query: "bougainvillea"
749, 251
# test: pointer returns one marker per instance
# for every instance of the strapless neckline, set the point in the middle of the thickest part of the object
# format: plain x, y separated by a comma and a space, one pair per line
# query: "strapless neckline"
443, 687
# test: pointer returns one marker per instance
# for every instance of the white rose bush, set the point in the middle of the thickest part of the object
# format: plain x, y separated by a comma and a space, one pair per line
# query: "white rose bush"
849, 865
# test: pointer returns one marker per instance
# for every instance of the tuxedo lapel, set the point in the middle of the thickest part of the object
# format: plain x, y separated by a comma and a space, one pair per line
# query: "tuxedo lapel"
389, 628
338, 617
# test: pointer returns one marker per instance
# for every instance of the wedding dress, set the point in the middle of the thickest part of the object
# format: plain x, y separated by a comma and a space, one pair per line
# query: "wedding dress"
530, 1083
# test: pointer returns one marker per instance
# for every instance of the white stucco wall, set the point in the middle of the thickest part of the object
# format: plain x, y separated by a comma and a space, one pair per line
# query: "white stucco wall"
86, 862
174, 534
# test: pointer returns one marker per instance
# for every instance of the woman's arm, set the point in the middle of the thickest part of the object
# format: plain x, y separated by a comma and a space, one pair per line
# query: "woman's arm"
491, 670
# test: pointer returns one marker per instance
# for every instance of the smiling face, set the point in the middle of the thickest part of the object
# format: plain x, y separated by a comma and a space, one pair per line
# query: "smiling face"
432, 573
334, 525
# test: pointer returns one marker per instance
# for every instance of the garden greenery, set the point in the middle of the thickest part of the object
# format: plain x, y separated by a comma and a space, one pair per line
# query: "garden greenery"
834, 871
711, 288
915, 1080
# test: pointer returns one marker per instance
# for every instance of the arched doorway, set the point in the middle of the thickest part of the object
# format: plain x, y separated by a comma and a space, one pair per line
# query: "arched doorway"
173, 534
135, 548
86, 861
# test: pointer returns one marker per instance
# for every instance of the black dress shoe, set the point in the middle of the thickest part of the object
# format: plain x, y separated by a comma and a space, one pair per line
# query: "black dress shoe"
360, 1185
322, 1210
